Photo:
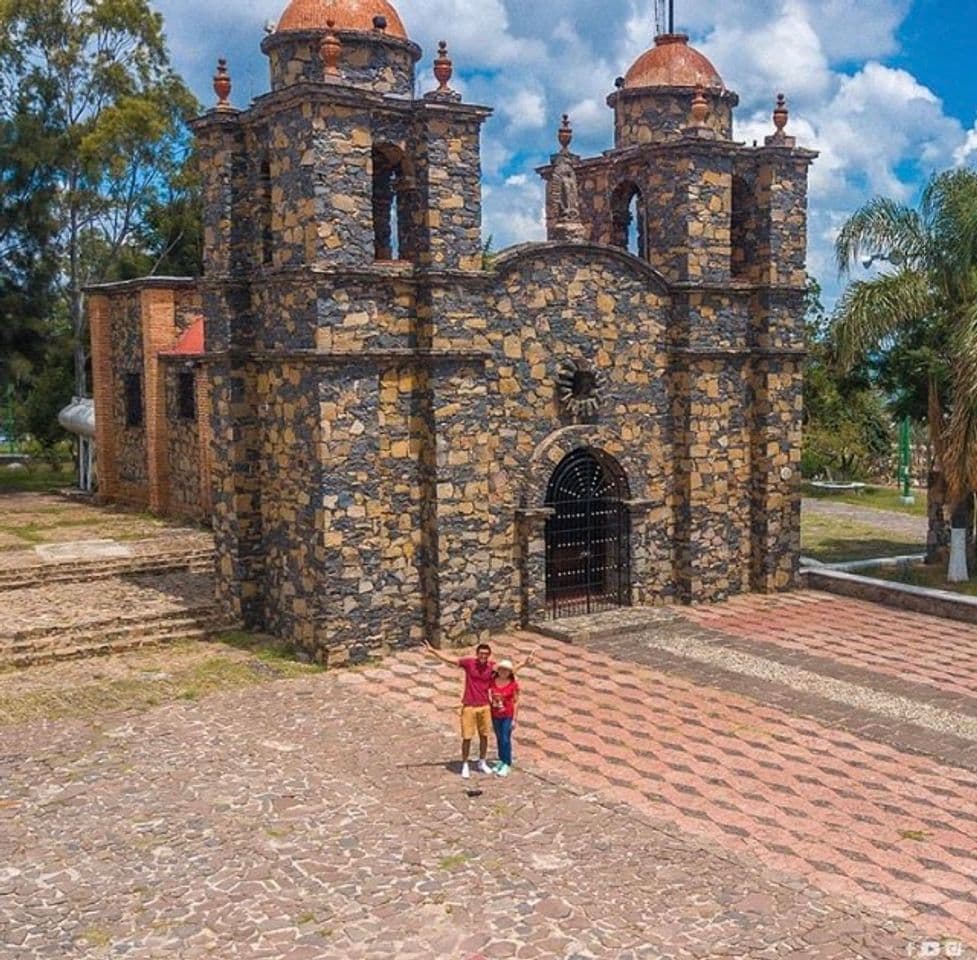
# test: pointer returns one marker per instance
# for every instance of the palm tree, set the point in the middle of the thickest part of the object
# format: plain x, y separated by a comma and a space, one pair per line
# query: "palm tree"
932, 289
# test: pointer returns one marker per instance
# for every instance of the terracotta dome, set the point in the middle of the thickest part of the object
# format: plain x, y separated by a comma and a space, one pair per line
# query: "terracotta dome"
671, 62
345, 14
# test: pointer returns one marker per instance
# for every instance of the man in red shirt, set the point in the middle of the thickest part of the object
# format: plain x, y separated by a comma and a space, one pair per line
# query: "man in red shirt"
476, 714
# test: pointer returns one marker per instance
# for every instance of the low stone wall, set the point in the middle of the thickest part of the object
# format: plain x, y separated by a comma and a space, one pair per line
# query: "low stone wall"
936, 603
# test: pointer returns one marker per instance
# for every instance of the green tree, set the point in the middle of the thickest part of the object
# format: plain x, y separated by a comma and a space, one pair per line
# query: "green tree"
27, 245
922, 316
98, 72
847, 428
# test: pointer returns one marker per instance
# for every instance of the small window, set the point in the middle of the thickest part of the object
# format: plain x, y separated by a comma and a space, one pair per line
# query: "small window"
133, 388
186, 395
265, 194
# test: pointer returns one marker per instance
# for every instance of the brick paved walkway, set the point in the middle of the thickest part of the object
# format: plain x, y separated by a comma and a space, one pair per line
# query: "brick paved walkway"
859, 802
827, 629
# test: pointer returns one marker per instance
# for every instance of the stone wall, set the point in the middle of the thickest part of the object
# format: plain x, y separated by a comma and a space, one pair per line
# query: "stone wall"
388, 426
643, 115
183, 450
381, 64
160, 464
131, 467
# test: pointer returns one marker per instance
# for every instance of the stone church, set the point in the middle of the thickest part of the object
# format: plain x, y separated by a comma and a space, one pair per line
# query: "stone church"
399, 437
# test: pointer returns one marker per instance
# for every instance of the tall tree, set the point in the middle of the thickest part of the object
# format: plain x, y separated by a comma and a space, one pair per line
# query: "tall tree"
98, 71
27, 248
847, 429
925, 308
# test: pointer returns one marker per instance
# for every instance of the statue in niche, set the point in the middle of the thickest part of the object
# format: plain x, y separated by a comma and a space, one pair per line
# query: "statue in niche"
564, 194
567, 195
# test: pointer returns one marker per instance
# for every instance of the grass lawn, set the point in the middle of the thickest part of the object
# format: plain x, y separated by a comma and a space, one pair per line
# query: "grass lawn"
922, 575
35, 479
872, 498
837, 539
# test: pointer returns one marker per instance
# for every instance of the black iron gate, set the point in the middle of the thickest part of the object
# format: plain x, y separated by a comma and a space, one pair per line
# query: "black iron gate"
588, 538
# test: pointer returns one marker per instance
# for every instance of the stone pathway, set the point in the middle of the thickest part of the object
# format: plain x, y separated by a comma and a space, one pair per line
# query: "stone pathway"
774, 776
30, 520
64, 606
312, 819
904, 524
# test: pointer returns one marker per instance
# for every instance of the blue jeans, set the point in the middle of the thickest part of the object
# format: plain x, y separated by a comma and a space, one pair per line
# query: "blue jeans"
503, 738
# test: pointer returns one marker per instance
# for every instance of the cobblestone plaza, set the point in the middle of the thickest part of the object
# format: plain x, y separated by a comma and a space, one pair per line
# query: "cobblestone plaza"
782, 777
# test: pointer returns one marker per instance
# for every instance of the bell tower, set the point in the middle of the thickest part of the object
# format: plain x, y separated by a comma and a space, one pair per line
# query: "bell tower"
725, 227
340, 210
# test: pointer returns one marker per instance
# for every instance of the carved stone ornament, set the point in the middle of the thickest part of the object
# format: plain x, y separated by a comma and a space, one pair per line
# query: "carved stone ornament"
580, 386
222, 86
563, 200
567, 193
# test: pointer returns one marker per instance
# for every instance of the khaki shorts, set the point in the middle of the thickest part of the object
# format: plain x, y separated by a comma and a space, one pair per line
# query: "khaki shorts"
475, 720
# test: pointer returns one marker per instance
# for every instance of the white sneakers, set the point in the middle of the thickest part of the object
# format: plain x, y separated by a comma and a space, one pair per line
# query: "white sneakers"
482, 767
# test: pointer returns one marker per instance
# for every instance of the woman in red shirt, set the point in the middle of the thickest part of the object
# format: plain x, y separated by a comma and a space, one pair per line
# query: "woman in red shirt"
503, 699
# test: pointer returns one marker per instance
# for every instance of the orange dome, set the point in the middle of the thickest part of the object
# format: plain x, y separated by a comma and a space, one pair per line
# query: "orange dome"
345, 14
671, 62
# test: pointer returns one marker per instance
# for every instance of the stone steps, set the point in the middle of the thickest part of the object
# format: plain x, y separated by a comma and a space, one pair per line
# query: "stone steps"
44, 644
197, 560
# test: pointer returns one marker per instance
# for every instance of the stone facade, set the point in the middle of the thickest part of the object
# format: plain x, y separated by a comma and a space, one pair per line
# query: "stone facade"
390, 411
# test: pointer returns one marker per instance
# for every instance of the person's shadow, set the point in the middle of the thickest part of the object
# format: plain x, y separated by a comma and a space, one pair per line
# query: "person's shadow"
454, 768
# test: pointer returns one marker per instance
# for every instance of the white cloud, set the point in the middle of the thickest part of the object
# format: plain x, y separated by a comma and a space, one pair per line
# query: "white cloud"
967, 149
526, 110
785, 53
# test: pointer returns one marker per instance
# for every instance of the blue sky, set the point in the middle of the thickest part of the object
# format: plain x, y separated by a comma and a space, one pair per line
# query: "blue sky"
885, 89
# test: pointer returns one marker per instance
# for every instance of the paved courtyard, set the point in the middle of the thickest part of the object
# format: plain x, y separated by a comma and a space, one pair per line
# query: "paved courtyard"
772, 777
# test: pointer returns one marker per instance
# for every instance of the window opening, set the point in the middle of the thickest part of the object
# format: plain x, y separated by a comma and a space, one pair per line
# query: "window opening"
391, 209
133, 399
186, 395
628, 213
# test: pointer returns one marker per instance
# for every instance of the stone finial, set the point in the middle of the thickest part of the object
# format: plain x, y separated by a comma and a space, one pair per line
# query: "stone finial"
443, 72
331, 50
780, 113
222, 85
780, 116
380, 23
700, 106
565, 133
443, 67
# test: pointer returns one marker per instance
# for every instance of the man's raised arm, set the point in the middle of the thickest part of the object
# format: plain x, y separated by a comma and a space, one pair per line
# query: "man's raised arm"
444, 658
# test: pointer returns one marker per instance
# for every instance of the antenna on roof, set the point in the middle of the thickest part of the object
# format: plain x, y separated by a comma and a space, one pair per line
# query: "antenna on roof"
671, 16
661, 25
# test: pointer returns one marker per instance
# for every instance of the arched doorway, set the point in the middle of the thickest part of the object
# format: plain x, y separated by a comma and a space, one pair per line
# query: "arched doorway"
588, 537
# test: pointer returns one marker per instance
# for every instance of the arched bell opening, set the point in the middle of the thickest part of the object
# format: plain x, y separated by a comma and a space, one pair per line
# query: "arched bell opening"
392, 186
588, 535
628, 219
